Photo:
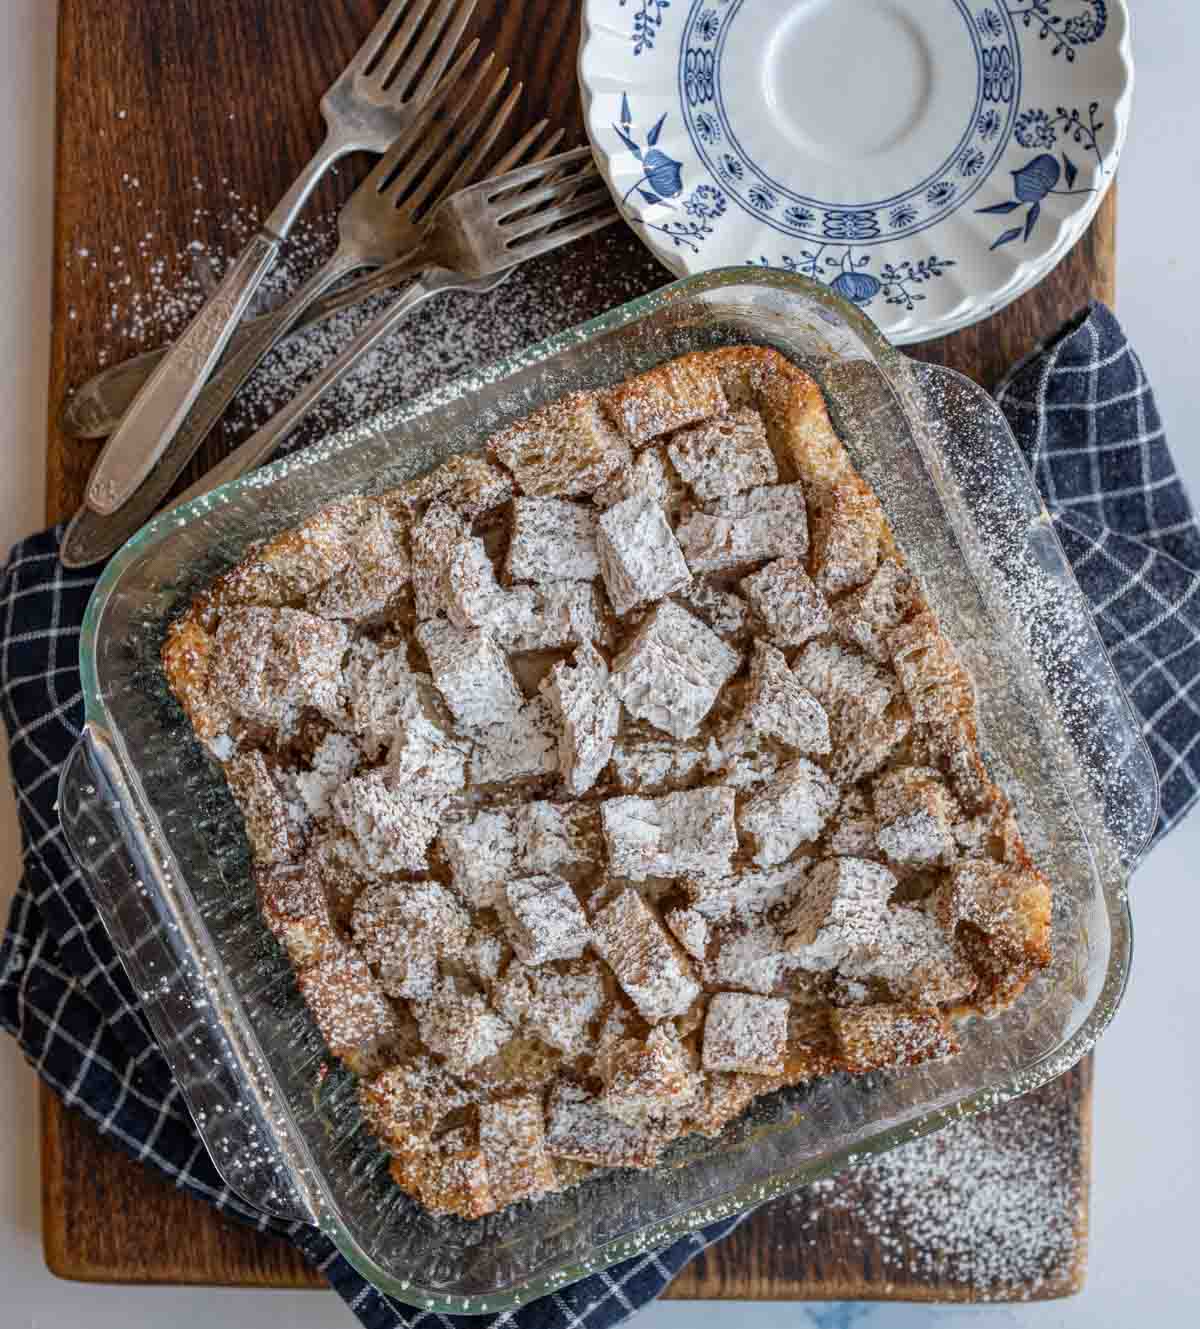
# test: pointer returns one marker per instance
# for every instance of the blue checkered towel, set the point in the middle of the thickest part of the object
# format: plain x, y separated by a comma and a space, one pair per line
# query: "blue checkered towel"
1085, 416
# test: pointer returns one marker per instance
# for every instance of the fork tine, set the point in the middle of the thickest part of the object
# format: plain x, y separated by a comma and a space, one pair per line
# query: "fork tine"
543, 244
399, 69
385, 168
541, 218
529, 174
552, 191
382, 33
439, 138
516, 154
450, 40
469, 169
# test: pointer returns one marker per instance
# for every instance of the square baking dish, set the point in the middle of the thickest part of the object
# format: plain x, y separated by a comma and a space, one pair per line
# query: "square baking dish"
150, 818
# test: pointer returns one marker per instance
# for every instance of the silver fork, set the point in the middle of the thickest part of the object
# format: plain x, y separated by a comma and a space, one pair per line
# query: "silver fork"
411, 186
377, 95
472, 241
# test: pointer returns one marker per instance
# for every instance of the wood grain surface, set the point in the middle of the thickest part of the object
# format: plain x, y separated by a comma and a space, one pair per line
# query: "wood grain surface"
159, 104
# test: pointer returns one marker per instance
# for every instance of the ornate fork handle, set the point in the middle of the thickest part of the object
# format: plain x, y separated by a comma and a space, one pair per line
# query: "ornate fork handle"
96, 409
168, 394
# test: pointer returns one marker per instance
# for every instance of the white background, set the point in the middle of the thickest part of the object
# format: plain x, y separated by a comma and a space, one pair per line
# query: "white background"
1144, 1267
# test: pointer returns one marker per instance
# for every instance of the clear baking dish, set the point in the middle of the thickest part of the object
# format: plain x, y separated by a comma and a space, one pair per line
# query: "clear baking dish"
152, 823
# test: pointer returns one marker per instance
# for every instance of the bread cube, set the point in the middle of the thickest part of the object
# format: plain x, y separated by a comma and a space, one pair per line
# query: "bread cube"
404, 1105
743, 759
779, 705
579, 1128
749, 956
933, 679
746, 894
681, 392
552, 540
838, 912
455, 1022
653, 971
745, 1032
786, 602
559, 1008
874, 1037
267, 664
553, 836
471, 673
354, 1017
295, 909
452, 1182
915, 814
424, 760
690, 929
1009, 905
853, 833
723, 1096
721, 610
524, 747
434, 539
307, 556
672, 670
512, 1139
848, 530
725, 455
383, 692
566, 447
375, 570
274, 827
402, 929
765, 523
867, 719
867, 615
649, 1080
334, 760
471, 485
481, 852
916, 959
545, 921
549, 616
386, 830
791, 809
640, 558
470, 591
650, 474
587, 713
684, 834
654, 765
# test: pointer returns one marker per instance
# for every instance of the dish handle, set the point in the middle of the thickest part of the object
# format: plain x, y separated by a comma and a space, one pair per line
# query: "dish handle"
158, 935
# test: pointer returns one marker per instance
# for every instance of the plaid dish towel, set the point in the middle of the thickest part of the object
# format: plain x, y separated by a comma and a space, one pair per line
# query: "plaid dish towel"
1086, 419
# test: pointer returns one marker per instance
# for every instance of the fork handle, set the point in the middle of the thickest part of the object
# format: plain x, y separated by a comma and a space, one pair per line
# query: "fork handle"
260, 445
160, 407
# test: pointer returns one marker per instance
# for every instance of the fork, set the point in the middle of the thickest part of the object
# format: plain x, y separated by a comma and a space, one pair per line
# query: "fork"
377, 95
378, 223
472, 241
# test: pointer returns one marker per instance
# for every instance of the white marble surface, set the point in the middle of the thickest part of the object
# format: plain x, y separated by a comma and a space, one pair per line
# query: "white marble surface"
1143, 1267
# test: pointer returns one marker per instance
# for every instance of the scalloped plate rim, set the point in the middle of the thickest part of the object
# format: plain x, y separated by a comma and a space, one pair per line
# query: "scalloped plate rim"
977, 299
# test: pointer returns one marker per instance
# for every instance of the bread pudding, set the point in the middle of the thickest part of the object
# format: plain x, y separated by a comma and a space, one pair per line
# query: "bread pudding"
603, 781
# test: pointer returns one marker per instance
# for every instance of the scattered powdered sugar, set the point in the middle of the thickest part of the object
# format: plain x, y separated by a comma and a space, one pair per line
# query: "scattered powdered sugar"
993, 1204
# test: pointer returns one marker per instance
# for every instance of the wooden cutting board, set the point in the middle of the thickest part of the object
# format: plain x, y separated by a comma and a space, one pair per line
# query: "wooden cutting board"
163, 108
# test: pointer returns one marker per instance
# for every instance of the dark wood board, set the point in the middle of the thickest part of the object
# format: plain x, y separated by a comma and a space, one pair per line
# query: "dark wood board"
155, 97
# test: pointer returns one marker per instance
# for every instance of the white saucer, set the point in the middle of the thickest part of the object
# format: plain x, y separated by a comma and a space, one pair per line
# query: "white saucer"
929, 159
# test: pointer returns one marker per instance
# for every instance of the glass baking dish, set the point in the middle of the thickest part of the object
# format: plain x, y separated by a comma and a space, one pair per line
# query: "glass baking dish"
152, 823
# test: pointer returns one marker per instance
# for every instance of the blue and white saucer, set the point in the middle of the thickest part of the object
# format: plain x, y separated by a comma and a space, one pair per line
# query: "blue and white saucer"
929, 159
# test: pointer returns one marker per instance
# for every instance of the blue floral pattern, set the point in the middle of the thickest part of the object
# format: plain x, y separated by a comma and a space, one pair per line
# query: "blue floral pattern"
846, 274
708, 127
1064, 35
647, 19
